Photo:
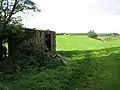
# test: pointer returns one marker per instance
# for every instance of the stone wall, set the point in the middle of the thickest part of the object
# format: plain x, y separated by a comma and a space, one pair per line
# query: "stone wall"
46, 36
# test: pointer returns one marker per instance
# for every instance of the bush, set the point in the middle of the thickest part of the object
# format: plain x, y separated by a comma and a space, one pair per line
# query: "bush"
31, 53
3, 88
92, 34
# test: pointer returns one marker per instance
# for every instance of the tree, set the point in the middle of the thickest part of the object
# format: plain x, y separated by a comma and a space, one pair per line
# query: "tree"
92, 34
14, 35
8, 8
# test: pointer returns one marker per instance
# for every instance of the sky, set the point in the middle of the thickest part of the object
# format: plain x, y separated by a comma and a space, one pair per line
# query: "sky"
76, 16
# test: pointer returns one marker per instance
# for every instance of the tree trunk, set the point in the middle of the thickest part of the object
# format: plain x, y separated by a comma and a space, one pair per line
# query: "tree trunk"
10, 46
1, 50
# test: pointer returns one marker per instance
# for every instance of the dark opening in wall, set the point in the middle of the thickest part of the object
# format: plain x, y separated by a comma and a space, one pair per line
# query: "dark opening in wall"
48, 41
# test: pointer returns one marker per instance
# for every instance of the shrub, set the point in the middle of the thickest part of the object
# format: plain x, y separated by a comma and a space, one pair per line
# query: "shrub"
31, 53
92, 34
3, 88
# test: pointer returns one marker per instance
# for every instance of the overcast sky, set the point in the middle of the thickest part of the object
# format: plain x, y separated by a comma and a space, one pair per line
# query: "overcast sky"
103, 16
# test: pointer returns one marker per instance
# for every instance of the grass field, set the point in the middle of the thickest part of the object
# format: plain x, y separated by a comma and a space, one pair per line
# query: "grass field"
107, 52
75, 48
68, 43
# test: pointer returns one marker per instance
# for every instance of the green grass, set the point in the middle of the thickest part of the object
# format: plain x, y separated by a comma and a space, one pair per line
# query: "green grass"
107, 52
77, 49
68, 43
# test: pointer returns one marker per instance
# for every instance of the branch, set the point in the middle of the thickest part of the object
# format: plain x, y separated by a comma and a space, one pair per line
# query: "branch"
1, 7
19, 10
4, 10
12, 12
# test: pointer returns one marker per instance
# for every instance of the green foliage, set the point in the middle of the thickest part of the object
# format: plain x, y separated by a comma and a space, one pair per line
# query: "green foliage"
29, 54
14, 30
14, 36
8, 19
3, 88
92, 34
